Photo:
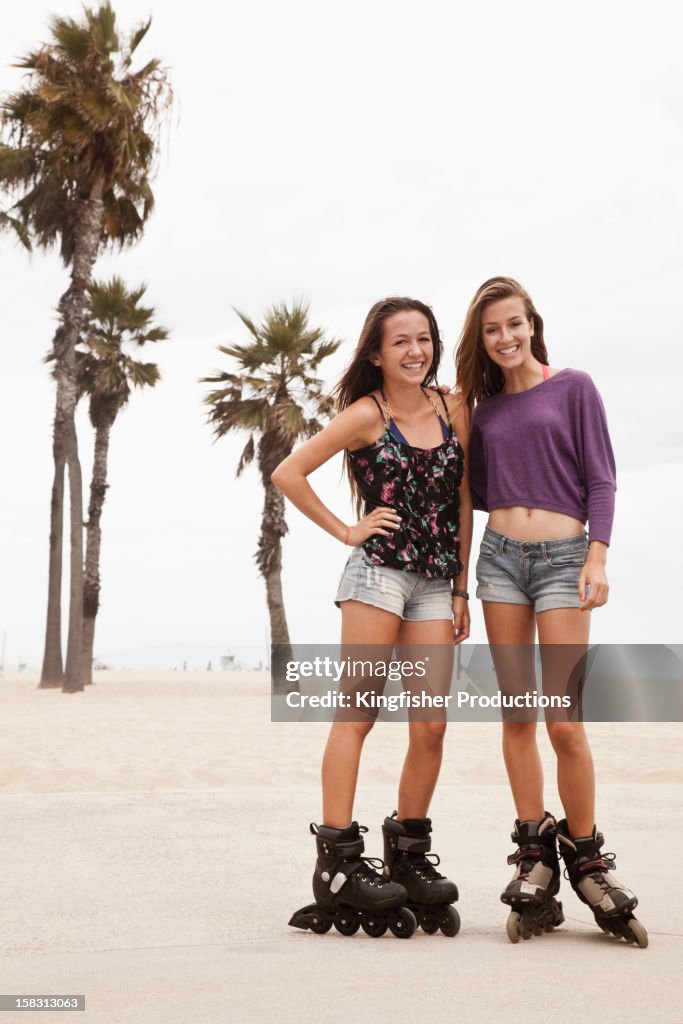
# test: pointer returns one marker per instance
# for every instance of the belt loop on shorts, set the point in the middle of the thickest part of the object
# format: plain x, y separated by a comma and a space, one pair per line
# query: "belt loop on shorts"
501, 545
544, 551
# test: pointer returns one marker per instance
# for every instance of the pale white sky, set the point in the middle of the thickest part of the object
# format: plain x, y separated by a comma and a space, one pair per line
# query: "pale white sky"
344, 153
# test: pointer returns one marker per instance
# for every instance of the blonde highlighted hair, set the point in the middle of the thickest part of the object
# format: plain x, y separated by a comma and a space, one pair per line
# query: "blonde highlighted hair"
476, 374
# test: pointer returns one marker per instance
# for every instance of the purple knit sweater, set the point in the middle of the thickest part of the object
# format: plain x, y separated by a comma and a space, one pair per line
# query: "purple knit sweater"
548, 448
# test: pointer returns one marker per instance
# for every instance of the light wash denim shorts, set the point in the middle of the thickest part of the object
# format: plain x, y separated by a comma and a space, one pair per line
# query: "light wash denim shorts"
409, 595
544, 574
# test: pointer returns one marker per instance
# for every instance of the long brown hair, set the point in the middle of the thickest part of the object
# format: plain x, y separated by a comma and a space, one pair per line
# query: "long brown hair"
476, 374
361, 377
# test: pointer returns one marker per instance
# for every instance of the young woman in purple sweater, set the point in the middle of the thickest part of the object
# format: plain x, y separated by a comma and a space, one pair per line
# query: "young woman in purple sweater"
541, 465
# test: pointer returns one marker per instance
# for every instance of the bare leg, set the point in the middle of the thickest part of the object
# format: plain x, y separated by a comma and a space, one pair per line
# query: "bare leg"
425, 738
508, 625
568, 628
361, 624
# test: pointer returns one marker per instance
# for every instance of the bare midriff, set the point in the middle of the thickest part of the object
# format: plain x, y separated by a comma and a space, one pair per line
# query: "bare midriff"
533, 524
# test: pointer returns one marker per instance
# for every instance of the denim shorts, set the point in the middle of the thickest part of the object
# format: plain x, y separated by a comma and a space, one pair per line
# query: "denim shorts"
543, 574
409, 595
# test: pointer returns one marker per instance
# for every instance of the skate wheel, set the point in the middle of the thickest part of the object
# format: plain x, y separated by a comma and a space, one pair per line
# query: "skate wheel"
429, 925
319, 926
450, 922
512, 926
528, 924
404, 924
639, 933
375, 928
347, 925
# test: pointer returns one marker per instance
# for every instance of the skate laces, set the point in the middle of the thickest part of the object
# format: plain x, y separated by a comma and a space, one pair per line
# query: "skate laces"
424, 865
603, 862
526, 857
369, 870
598, 865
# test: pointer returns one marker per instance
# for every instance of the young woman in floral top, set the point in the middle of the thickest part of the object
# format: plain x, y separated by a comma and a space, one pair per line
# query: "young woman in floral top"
405, 583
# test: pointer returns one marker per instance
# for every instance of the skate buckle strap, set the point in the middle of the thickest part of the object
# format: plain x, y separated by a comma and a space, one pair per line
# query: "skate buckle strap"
605, 862
367, 866
334, 847
337, 882
414, 844
525, 853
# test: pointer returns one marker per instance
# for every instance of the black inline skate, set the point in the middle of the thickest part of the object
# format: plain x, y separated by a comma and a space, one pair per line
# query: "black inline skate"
536, 881
407, 860
589, 872
349, 893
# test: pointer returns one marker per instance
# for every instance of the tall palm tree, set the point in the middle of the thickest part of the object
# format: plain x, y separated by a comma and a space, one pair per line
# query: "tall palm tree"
76, 156
277, 398
114, 320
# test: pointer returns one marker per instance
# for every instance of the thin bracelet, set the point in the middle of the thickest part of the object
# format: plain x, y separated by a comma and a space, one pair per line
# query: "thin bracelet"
461, 593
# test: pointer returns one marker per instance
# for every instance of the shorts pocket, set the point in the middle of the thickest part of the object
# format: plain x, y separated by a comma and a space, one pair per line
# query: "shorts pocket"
487, 550
570, 558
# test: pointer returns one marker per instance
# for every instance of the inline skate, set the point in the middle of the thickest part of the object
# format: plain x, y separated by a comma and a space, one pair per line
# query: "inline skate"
531, 892
589, 872
349, 893
407, 860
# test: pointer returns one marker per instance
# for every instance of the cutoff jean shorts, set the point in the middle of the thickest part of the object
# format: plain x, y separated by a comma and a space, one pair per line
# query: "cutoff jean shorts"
543, 574
409, 595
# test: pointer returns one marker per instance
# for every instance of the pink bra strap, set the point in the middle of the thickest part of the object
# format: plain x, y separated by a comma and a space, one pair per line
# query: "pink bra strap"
546, 376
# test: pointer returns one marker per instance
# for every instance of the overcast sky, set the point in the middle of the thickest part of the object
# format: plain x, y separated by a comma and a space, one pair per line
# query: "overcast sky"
343, 153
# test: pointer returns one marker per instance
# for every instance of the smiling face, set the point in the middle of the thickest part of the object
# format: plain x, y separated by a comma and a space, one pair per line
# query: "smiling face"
407, 350
506, 332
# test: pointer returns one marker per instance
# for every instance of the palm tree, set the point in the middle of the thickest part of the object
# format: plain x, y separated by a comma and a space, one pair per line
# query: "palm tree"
77, 155
277, 398
114, 318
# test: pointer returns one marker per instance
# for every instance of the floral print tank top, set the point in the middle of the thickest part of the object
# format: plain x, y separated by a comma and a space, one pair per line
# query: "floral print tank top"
421, 484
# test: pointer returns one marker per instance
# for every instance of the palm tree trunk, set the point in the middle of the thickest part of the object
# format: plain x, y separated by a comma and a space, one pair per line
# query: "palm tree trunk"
269, 561
52, 674
91, 582
65, 444
72, 310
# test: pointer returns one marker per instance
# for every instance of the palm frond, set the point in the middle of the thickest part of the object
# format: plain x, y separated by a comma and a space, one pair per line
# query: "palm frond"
247, 456
274, 393
249, 324
17, 166
114, 319
13, 224
138, 36
84, 119
242, 414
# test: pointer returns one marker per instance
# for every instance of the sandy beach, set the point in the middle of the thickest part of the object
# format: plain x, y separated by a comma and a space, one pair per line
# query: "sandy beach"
155, 842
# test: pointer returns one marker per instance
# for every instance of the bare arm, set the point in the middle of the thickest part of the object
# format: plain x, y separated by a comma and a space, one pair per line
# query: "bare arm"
594, 575
461, 614
352, 428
